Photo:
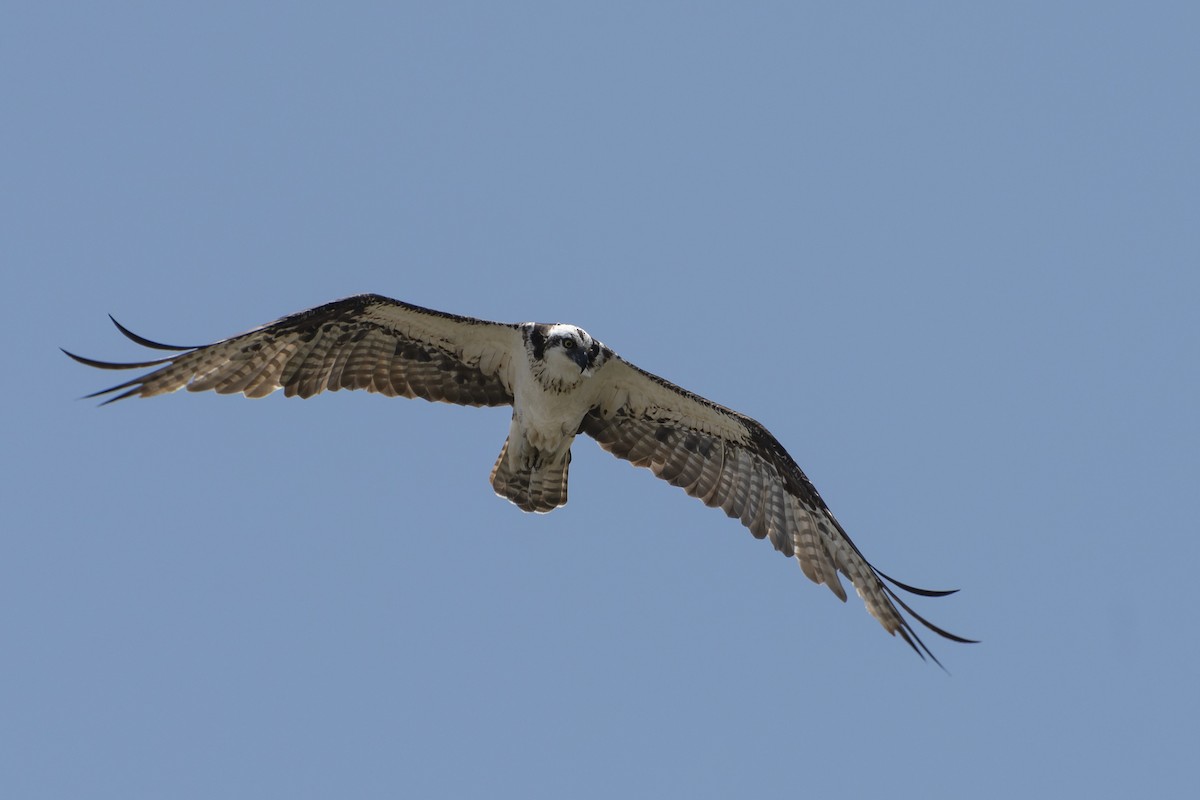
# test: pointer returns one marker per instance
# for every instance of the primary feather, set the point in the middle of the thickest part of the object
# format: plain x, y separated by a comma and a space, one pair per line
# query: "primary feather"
560, 382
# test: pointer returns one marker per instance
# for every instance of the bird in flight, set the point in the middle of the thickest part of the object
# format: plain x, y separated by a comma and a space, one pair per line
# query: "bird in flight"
560, 383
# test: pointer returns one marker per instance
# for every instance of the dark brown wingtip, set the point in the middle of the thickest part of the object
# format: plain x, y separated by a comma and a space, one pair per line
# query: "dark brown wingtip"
134, 392
945, 634
911, 638
91, 362
907, 632
144, 342
914, 640
914, 589
135, 383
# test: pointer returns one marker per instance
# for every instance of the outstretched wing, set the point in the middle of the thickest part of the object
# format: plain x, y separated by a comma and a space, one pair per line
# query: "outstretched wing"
731, 462
363, 342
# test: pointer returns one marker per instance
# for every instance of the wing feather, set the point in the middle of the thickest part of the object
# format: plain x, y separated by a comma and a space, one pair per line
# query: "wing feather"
363, 342
730, 461
723, 458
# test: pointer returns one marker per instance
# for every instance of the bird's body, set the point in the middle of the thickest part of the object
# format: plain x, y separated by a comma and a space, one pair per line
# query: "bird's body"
560, 383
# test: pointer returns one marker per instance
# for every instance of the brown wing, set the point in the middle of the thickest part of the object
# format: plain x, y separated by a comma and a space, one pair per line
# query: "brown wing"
363, 342
731, 462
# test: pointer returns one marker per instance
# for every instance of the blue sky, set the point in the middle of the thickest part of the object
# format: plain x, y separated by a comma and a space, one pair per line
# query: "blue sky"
947, 254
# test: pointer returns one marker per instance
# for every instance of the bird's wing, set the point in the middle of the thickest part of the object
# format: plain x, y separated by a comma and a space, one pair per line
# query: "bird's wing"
363, 342
731, 462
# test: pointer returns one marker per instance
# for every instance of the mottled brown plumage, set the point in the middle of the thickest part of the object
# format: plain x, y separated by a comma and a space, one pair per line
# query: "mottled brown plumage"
561, 383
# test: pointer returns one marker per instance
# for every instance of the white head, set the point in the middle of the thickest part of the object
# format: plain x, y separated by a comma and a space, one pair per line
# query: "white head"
562, 355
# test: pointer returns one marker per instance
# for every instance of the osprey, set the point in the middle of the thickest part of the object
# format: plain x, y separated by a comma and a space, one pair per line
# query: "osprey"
560, 383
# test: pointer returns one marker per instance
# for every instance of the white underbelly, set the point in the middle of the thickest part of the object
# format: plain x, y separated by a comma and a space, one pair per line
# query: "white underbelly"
547, 420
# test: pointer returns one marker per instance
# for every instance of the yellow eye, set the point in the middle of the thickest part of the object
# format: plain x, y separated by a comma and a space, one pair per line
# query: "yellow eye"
568, 344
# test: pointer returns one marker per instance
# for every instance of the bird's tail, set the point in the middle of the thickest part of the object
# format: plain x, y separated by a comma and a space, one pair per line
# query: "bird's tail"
535, 482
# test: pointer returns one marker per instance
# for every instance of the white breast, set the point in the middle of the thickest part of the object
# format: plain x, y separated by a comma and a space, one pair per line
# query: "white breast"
545, 418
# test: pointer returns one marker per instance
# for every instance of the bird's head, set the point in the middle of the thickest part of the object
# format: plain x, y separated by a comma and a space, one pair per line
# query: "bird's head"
564, 355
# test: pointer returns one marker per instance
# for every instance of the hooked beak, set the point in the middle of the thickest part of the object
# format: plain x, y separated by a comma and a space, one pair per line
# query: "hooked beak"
581, 357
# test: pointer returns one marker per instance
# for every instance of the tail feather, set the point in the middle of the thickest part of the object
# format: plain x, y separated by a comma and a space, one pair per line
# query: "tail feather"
535, 485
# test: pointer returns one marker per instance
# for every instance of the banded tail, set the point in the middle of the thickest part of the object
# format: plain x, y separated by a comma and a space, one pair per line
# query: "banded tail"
536, 484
